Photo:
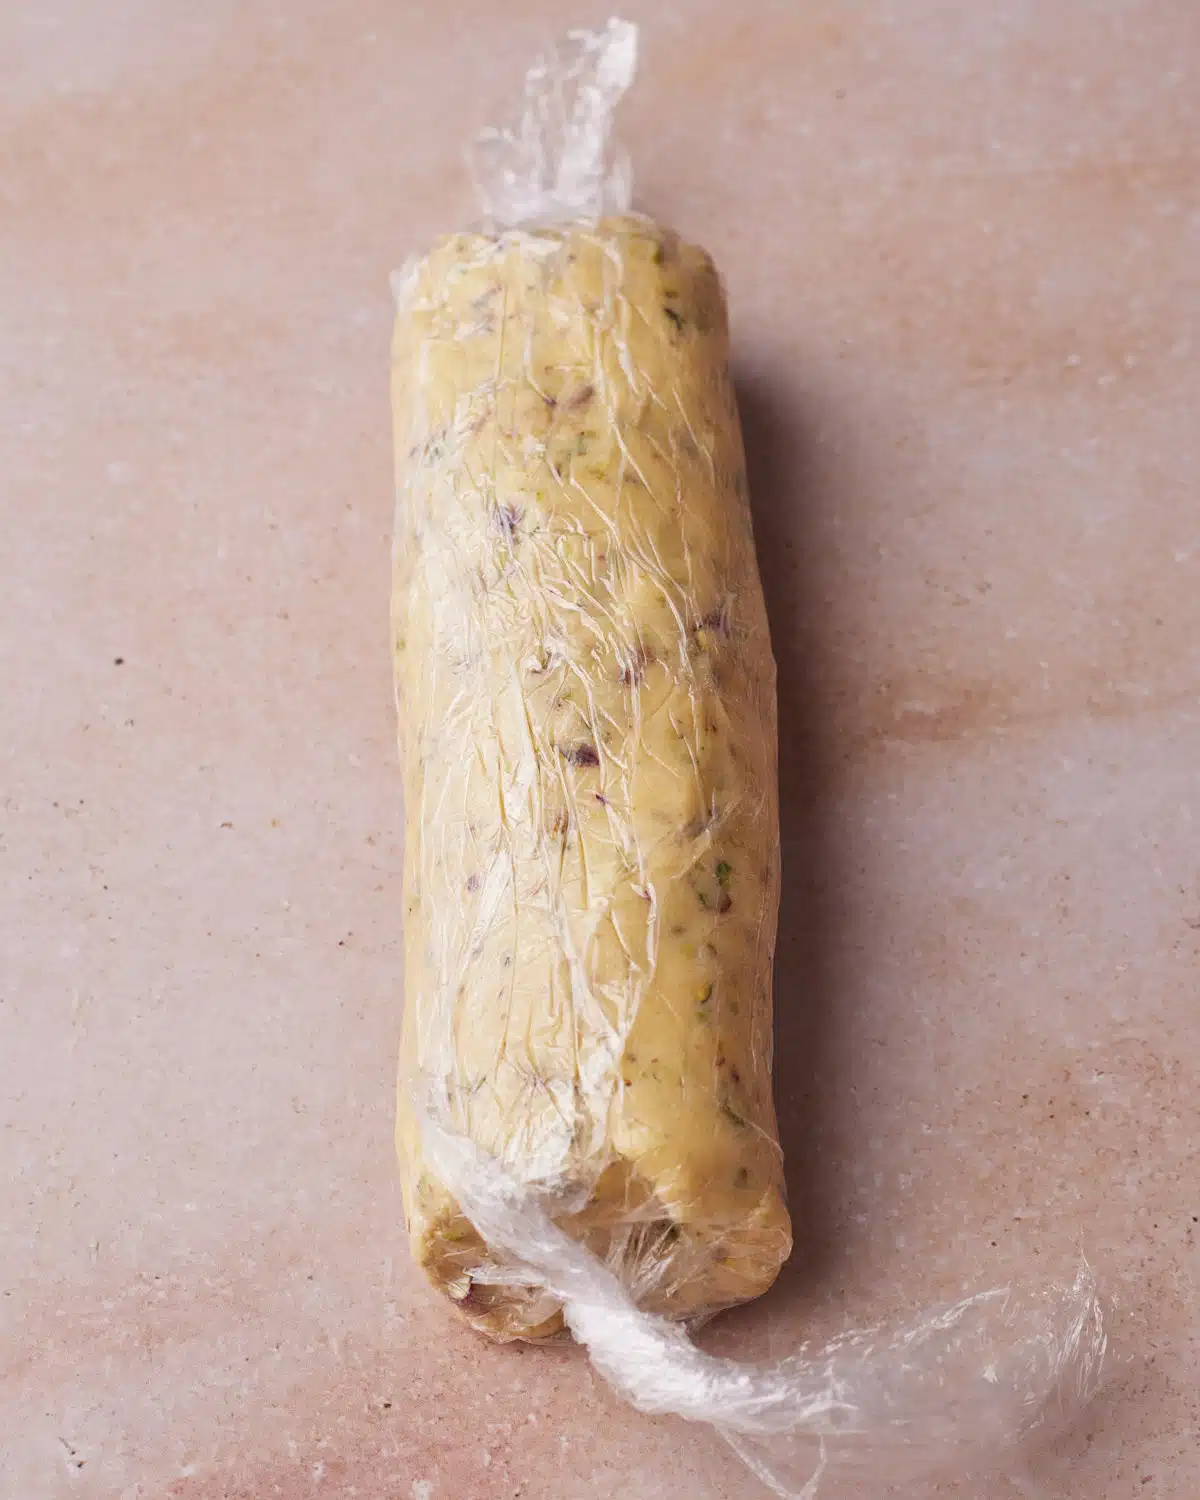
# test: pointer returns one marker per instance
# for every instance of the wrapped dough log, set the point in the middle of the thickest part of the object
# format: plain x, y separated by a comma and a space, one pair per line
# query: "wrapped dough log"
589, 750
588, 737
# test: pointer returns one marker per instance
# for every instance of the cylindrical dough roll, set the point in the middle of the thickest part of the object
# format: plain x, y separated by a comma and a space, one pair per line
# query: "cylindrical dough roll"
589, 748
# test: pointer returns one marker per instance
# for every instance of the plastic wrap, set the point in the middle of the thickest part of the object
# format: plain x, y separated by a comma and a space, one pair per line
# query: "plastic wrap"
585, 1121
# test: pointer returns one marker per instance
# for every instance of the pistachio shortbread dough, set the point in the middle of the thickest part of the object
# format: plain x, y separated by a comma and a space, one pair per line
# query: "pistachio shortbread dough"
589, 751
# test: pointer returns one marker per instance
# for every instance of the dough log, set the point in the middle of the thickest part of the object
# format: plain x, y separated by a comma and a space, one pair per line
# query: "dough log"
588, 738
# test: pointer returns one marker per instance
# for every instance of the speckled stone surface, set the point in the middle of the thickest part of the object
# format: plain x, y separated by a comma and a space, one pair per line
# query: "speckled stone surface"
962, 244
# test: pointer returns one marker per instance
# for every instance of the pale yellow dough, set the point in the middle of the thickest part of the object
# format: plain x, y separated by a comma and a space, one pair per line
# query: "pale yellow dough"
588, 735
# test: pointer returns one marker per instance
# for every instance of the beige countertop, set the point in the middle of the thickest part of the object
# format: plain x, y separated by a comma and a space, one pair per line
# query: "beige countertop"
962, 244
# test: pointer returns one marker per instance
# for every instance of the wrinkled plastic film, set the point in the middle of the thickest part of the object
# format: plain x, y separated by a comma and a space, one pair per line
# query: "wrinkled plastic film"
968, 1381
588, 739
560, 162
